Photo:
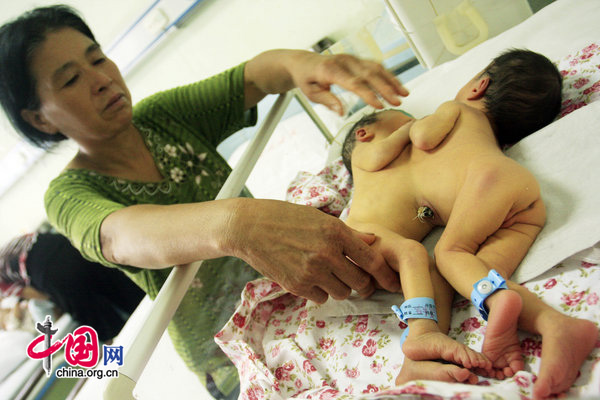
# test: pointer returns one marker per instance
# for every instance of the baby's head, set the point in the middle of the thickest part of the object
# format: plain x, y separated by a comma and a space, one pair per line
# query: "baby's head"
379, 123
523, 94
350, 141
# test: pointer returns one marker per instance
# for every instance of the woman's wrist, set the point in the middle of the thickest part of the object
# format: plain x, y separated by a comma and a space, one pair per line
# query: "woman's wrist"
272, 71
235, 229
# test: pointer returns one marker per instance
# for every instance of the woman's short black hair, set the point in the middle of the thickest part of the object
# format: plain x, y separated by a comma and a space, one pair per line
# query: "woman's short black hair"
18, 41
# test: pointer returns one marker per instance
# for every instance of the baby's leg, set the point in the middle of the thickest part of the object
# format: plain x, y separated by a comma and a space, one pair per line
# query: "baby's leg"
566, 342
425, 340
501, 344
443, 295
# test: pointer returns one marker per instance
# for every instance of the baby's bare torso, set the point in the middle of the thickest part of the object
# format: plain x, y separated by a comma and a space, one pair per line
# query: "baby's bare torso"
392, 196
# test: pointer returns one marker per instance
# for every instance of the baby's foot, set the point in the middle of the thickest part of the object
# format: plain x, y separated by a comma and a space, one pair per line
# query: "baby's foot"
501, 343
431, 370
437, 346
564, 349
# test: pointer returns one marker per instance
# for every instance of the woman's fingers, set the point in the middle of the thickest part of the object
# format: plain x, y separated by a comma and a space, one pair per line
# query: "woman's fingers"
322, 95
315, 294
367, 79
370, 81
370, 261
339, 284
364, 284
333, 274
334, 286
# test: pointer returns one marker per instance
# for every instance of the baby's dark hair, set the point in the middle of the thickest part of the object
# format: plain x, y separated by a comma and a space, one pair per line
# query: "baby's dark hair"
18, 41
524, 94
350, 140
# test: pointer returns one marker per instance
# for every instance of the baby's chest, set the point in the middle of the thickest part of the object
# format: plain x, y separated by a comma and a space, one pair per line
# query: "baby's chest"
436, 189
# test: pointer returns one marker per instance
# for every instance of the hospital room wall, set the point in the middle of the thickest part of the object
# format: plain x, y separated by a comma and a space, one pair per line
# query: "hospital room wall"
219, 34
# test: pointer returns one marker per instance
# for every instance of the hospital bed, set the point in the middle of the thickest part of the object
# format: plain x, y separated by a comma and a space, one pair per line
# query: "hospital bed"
288, 347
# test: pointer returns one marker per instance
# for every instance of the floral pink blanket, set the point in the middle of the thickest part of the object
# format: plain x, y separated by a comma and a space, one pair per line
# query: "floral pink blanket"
286, 347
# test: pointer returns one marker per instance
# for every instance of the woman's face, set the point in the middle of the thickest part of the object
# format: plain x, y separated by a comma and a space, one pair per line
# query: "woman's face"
82, 93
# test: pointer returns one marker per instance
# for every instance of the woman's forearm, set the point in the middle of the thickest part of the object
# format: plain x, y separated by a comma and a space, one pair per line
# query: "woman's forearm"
158, 236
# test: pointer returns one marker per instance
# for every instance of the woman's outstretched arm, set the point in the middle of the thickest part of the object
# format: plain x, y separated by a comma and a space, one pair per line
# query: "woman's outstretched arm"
303, 249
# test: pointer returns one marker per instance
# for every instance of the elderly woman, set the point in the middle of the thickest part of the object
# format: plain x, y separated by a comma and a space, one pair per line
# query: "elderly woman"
138, 194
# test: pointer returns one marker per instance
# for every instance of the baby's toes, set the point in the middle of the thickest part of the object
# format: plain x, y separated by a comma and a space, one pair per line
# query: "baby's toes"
461, 356
484, 362
476, 360
488, 373
508, 372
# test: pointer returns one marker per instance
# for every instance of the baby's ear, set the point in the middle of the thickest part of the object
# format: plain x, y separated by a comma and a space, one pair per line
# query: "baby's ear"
479, 88
363, 135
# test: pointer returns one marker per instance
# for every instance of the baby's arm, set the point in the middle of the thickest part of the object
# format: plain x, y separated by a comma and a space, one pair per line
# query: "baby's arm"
374, 156
427, 133
495, 219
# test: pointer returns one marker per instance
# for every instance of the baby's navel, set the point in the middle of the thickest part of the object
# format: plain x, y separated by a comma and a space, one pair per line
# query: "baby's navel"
423, 213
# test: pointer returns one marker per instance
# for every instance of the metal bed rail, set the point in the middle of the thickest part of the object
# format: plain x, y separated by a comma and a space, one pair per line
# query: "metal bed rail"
176, 285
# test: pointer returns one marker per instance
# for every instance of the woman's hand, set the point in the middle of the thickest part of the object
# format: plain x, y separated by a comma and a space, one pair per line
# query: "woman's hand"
314, 74
306, 251
278, 71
